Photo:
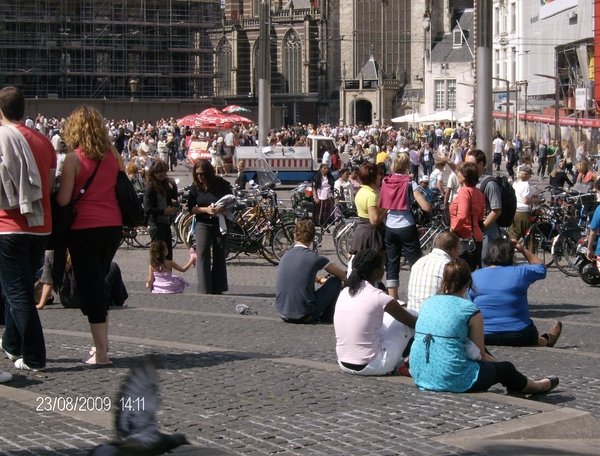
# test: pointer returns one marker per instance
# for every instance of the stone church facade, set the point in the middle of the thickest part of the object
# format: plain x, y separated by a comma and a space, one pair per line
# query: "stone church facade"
334, 61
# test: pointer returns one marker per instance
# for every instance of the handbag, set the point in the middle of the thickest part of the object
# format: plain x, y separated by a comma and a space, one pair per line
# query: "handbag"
127, 198
129, 202
64, 216
467, 245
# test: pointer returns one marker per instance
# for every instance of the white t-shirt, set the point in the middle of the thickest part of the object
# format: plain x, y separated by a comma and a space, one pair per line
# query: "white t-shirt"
434, 176
522, 190
356, 321
498, 146
453, 185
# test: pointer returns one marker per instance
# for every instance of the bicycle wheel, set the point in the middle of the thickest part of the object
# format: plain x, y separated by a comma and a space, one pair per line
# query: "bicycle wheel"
174, 235
539, 241
235, 241
564, 252
142, 238
183, 226
282, 240
344, 244
186, 231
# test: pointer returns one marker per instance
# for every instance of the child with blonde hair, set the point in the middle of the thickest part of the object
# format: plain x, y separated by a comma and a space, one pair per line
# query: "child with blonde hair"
160, 277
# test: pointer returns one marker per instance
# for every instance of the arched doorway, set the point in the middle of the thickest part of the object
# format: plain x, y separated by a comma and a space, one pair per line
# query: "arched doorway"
364, 112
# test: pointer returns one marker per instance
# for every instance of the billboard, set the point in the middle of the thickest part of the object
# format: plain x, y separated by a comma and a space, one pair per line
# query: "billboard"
552, 7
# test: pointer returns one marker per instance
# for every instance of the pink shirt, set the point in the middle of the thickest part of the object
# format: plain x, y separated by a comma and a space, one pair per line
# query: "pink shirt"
325, 192
98, 207
356, 321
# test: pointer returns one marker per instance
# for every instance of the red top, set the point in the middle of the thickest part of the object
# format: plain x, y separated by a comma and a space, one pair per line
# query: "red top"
11, 221
98, 207
466, 210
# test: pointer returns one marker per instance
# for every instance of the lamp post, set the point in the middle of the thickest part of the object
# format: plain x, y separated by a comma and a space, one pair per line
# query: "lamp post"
507, 105
556, 99
133, 85
519, 84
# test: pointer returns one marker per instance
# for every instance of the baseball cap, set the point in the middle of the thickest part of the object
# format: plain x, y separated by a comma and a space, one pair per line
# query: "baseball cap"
424, 178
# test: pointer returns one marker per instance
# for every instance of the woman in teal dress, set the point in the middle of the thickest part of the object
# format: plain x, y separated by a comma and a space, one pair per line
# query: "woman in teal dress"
438, 357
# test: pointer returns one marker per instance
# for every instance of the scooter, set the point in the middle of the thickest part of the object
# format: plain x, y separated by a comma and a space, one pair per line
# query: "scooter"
589, 271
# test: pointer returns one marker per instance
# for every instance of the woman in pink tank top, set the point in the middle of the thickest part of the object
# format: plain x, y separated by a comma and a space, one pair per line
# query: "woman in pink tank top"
96, 232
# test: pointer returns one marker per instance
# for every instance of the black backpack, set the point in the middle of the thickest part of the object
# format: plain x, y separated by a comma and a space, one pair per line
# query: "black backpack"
509, 199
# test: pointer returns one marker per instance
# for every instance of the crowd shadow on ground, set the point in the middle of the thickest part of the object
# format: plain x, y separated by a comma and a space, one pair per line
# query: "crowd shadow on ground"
558, 310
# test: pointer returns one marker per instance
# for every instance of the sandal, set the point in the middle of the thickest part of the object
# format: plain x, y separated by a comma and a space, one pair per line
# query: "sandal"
93, 363
554, 381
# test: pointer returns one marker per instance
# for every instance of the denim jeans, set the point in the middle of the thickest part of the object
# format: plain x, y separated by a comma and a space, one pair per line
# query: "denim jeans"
20, 256
489, 235
397, 241
524, 338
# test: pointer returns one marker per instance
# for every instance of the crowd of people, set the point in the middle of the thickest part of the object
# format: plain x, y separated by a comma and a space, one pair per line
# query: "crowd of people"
454, 308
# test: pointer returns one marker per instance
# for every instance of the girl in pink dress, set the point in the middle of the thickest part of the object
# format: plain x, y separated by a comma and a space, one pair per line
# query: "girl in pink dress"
160, 278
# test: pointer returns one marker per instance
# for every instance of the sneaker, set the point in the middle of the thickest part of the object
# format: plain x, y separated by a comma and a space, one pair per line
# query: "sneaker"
5, 377
13, 358
20, 364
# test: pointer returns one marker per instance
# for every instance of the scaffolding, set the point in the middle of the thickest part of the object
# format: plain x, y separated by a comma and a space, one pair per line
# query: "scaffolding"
92, 49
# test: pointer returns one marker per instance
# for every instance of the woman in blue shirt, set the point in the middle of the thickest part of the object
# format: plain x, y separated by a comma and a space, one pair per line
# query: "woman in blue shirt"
500, 293
438, 356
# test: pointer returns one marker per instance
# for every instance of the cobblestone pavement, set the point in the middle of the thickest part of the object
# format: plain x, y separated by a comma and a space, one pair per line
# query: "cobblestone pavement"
253, 385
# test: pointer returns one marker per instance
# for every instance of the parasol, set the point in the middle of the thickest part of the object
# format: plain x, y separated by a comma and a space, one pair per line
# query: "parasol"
234, 108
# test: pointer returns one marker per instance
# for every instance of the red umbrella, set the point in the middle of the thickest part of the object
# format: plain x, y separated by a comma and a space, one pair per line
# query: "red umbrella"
212, 118
237, 119
209, 118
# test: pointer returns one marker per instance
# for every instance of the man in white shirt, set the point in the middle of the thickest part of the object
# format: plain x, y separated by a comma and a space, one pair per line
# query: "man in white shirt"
426, 274
498, 145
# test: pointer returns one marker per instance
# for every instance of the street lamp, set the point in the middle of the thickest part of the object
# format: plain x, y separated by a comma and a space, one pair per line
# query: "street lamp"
507, 104
556, 99
133, 85
518, 95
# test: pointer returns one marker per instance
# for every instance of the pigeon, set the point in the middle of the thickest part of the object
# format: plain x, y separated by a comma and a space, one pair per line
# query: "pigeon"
243, 309
137, 430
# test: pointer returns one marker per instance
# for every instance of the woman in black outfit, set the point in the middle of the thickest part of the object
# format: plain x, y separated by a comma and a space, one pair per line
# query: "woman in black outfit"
159, 194
558, 176
209, 188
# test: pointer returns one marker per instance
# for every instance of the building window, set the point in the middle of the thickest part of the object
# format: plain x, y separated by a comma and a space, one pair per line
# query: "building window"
496, 21
224, 65
445, 94
451, 85
457, 38
513, 18
292, 63
440, 94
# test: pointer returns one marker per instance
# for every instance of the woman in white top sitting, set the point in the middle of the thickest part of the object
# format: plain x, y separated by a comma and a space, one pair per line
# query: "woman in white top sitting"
372, 329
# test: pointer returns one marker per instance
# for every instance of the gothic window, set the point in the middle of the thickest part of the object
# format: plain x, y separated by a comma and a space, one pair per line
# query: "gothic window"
292, 63
224, 64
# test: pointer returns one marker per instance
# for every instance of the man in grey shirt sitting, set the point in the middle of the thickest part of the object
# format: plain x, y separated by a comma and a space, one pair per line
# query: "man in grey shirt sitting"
296, 300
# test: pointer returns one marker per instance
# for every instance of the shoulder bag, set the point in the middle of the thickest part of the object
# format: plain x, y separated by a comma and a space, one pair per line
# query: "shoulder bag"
127, 197
467, 245
63, 216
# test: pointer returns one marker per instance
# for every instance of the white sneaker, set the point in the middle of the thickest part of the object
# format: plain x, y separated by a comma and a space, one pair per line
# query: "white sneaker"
5, 377
20, 364
13, 358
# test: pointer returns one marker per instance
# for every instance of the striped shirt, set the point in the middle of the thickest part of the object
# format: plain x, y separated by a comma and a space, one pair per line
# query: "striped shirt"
426, 277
